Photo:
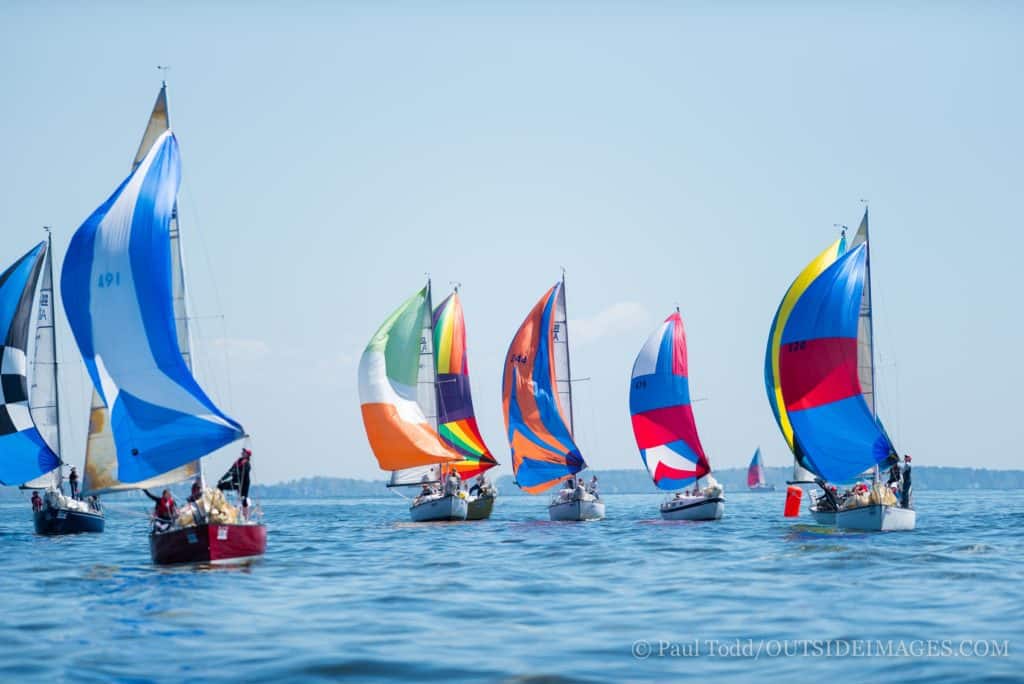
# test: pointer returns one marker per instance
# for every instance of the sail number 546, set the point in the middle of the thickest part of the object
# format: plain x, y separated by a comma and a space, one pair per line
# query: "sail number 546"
109, 279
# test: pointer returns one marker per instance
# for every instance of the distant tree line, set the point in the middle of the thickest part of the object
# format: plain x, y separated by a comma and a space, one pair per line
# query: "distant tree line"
629, 481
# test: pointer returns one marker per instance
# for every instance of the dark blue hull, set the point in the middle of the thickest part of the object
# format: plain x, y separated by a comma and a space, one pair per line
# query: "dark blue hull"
51, 521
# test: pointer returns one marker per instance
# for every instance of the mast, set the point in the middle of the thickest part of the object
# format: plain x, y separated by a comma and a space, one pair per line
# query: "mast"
53, 358
866, 329
179, 291
431, 363
568, 367
869, 314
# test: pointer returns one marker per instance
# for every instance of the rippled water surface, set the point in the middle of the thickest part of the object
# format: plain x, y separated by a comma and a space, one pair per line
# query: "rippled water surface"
349, 588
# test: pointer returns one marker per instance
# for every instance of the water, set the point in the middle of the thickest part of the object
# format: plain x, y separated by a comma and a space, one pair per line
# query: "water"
349, 588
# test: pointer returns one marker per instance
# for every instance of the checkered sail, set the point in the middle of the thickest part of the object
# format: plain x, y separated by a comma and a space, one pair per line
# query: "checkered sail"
100, 474
117, 288
42, 374
24, 454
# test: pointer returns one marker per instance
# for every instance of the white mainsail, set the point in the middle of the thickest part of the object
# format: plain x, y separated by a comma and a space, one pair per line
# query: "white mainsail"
563, 384
100, 454
865, 332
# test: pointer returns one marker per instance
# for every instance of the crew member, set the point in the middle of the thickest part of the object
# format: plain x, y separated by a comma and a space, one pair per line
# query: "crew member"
73, 481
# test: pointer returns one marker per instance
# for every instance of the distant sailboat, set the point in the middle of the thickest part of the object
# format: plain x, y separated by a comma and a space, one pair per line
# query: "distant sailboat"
756, 481
537, 404
123, 290
819, 374
397, 392
664, 427
29, 420
456, 420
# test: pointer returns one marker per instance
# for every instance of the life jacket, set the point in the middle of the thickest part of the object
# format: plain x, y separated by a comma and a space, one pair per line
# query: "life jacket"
165, 508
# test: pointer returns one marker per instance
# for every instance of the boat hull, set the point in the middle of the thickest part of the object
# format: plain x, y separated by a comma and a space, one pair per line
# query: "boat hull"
209, 543
480, 508
710, 508
877, 518
824, 517
576, 511
445, 508
762, 490
56, 521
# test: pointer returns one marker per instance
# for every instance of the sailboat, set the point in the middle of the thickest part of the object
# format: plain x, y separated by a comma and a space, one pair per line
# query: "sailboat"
819, 376
123, 287
537, 403
29, 420
456, 421
664, 427
397, 393
756, 481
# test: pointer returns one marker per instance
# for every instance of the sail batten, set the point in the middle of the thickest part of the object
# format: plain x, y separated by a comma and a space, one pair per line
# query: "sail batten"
456, 419
536, 398
659, 405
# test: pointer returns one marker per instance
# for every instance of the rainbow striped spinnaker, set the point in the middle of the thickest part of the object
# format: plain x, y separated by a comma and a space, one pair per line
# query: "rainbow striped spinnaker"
456, 420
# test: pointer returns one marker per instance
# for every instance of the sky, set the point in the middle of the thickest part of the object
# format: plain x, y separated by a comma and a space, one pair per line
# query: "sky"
663, 154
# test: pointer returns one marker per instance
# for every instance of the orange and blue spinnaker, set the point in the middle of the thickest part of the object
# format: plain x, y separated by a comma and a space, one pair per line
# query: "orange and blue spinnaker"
539, 432
456, 422
659, 403
835, 433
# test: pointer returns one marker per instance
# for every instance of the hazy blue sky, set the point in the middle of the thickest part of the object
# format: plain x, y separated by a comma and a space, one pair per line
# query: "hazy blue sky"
661, 152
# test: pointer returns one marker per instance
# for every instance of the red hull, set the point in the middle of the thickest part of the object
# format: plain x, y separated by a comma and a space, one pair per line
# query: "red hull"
209, 544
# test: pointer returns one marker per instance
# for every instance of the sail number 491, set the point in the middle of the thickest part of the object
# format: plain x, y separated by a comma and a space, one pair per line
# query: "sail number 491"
109, 279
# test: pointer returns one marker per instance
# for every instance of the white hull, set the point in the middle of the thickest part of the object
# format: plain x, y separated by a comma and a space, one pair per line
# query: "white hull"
693, 508
877, 518
824, 517
442, 508
575, 511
